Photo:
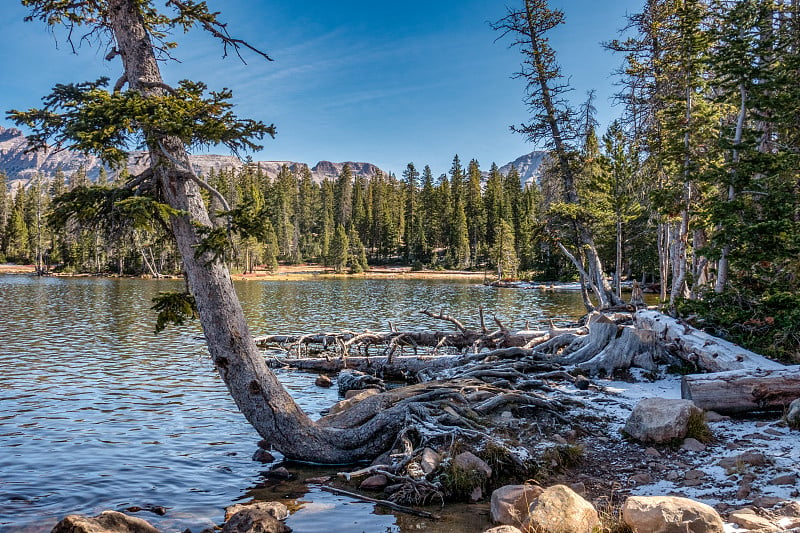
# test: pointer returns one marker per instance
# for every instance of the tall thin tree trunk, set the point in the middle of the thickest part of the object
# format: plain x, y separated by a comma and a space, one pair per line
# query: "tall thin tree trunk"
259, 395
723, 264
663, 259
618, 259
604, 291
681, 242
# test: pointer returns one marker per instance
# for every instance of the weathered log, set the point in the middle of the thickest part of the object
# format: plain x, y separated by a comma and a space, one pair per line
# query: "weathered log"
631, 347
709, 353
349, 341
742, 391
399, 367
601, 332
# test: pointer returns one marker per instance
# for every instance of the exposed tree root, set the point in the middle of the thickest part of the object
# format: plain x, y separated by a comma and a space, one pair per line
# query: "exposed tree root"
465, 381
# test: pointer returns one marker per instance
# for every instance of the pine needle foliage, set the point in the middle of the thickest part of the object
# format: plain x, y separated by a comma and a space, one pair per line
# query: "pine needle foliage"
174, 308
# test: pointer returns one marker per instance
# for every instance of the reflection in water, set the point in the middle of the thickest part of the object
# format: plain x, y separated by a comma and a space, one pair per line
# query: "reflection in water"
97, 412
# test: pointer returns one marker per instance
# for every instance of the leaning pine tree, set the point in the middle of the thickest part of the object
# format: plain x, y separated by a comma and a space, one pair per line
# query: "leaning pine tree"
167, 121
553, 122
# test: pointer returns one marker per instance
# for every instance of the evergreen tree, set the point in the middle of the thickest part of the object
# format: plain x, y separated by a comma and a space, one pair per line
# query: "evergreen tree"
307, 210
620, 165
327, 219
474, 211
338, 253
412, 232
494, 199
284, 198
271, 249
458, 252
362, 209
17, 238
344, 197
504, 254
430, 216
457, 184
4, 214
553, 122
356, 253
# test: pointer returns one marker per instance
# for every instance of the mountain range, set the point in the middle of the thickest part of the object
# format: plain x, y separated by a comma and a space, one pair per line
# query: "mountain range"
20, 166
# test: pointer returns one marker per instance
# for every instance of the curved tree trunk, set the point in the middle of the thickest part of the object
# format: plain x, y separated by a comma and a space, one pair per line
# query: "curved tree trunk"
255, 389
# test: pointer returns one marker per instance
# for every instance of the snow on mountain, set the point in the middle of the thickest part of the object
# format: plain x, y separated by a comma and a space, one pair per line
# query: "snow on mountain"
20, 166
529, 167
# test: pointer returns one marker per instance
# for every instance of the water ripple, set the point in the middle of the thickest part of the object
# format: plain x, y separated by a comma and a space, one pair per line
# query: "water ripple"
98, 412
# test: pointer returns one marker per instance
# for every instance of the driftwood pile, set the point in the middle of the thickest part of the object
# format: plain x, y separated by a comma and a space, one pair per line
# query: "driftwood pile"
722, 376
467, 381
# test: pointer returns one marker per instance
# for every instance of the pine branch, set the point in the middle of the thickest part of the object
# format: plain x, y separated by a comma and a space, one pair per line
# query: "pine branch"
190, 171
192, 12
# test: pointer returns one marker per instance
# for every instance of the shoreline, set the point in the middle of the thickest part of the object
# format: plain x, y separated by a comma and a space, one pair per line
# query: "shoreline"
290, 273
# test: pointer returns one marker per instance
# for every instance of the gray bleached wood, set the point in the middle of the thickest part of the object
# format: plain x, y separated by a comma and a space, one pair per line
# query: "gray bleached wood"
709, 353
742, 391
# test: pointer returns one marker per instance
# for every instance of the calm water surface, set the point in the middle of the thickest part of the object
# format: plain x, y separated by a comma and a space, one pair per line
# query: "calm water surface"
97, 412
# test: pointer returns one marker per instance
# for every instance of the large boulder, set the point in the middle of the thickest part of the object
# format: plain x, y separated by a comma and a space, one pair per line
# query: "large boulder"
470, 462
510, 504
105, 522
670, 514
660, 420
559, 509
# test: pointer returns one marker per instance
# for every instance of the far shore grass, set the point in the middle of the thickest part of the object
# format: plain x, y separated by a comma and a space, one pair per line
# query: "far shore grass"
310, 271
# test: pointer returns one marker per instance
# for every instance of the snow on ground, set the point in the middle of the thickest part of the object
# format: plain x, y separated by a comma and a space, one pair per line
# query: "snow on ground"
697, 474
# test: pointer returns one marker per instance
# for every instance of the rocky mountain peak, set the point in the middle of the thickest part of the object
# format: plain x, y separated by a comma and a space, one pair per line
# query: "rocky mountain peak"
20, 166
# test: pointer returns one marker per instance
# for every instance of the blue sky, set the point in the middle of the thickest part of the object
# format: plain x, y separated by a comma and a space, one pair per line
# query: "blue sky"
384, 82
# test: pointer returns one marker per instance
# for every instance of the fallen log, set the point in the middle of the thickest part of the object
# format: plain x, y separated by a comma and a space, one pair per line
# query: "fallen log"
398, 367
709, 353
742, 391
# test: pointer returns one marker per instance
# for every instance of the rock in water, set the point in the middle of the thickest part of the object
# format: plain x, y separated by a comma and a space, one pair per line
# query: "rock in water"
252, 519
263, 456
105, 522
660, 420
278, 510
668, 514
560, 510
323, 381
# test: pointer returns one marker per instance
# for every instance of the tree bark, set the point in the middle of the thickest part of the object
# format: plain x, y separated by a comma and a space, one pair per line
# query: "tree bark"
742, 391
723, 263
255, 389
603, 290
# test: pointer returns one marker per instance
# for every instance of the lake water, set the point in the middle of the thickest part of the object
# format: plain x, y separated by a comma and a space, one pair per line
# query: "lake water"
97, 412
